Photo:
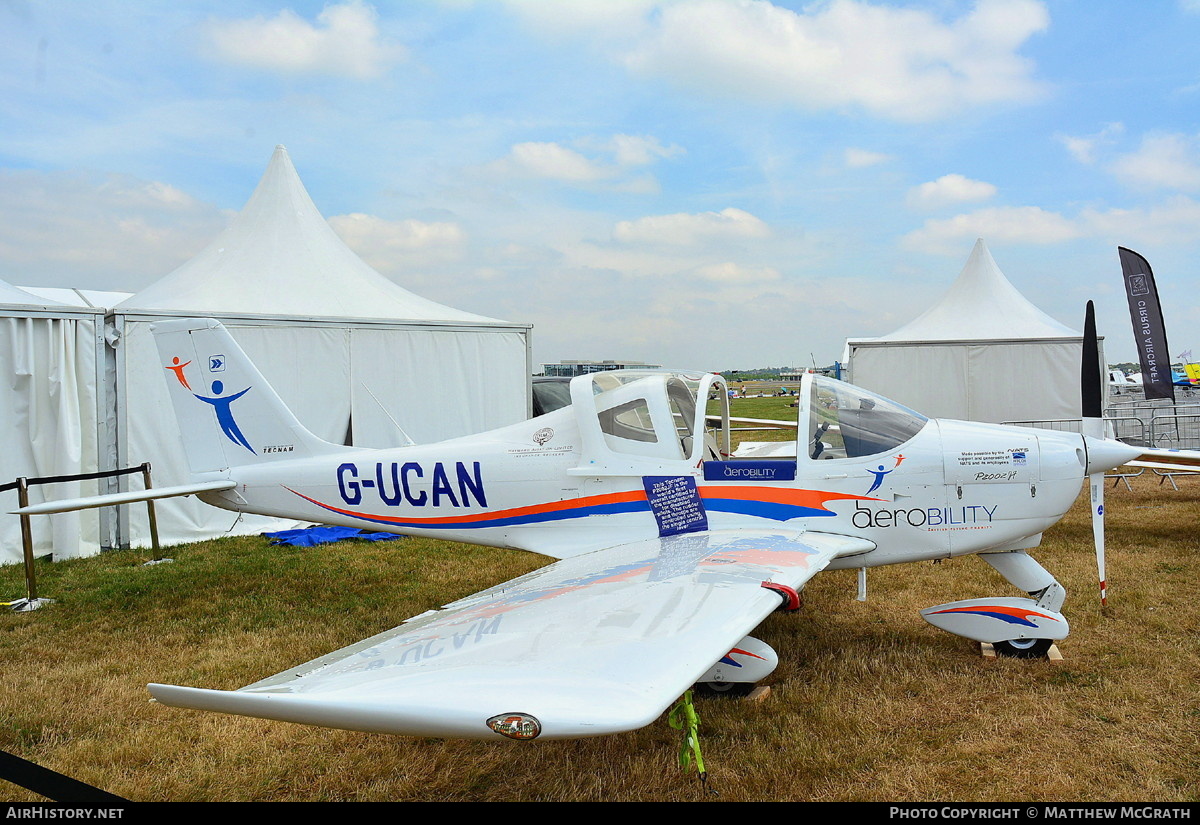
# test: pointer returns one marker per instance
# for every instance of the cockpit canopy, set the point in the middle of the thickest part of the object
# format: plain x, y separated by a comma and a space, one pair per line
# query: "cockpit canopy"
632, 426
633, 415
644, 422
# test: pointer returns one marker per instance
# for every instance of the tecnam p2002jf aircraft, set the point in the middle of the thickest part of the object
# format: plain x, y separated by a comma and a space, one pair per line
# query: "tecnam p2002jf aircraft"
671, 550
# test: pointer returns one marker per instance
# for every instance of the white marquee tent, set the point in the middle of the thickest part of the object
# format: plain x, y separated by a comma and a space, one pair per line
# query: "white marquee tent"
352, 353
982, 353
51, 400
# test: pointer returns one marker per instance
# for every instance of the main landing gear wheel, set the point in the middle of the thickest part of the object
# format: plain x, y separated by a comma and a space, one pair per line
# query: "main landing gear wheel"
1023, 648
731, 690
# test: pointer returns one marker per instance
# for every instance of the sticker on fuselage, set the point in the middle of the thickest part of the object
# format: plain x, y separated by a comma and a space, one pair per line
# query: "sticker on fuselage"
675, 502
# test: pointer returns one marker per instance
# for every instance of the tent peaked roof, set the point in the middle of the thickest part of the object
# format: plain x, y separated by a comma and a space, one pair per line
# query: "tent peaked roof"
981, 305
280, 257
15, 296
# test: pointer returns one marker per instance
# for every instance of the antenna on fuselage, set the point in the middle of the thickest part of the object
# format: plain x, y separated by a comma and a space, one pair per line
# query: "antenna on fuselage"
408, 442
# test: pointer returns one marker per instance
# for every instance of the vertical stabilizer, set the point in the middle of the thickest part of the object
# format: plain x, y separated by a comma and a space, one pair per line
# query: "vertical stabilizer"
229, 416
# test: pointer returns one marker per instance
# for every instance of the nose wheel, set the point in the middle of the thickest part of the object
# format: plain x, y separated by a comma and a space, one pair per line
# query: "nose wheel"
1023, 648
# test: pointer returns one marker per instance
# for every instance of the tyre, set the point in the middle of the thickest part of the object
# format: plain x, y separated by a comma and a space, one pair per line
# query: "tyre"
732, 690
1023, 648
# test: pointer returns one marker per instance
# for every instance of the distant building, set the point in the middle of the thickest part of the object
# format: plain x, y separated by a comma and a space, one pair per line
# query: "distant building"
569, 369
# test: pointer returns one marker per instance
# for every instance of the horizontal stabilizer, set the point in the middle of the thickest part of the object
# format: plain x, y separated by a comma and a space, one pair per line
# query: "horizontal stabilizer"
87, 503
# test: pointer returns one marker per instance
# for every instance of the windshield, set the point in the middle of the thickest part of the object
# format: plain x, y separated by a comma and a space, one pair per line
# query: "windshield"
846, 421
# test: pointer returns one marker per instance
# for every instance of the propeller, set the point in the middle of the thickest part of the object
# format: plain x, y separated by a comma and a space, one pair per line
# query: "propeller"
1091, 391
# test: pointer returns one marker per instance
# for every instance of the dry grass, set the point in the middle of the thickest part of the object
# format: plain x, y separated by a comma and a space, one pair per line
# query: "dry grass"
868, 703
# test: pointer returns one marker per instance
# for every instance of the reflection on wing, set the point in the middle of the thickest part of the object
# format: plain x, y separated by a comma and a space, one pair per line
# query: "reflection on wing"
591, 645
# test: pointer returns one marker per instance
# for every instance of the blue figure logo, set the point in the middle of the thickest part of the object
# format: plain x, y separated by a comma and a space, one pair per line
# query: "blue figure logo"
880, 473
225, 415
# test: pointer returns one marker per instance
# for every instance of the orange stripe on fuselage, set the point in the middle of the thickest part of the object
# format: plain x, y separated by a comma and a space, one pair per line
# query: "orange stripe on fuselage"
515, 512
780, 495
814, 499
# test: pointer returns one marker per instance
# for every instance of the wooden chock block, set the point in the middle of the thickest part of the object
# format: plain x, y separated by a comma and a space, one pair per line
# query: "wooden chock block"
989, 652
759, 694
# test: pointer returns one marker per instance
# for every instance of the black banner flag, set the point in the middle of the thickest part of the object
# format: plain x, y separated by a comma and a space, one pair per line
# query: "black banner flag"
1148, 330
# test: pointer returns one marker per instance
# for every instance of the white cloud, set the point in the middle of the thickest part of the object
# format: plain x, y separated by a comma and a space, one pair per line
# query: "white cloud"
635, 150
590, 18
729, 272
1173, 221
1012, 224
344, 41
949, 190
386, 244
1084, 149
115, 232
556, 162
860, 158
900, 63
687, 229
612, 162
1166, 161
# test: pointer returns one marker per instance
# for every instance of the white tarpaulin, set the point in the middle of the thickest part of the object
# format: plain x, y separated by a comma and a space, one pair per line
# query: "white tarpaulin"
48, 418
356, 356
982, 353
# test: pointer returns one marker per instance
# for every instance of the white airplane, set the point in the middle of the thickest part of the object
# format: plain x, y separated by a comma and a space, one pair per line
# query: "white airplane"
671, 551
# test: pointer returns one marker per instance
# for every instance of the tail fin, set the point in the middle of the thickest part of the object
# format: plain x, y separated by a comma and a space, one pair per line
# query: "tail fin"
229, 416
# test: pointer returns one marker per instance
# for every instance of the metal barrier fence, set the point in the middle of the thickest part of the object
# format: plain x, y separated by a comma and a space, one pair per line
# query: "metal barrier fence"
1129, 429
22, 485
1176, 432
1067, 425
1163, 428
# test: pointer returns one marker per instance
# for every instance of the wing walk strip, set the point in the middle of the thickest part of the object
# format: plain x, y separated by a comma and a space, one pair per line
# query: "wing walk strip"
775, 503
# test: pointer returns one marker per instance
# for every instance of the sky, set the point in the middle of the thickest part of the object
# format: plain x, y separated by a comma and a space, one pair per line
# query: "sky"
711, 184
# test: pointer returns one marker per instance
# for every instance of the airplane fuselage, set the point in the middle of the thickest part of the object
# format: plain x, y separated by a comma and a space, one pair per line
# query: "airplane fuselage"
953, 488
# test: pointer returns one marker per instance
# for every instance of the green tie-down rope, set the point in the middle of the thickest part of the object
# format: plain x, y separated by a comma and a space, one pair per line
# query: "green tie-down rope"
683, 717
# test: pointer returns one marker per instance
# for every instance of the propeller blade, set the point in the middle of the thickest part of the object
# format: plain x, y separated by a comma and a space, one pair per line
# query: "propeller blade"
1091, 391
1097, 498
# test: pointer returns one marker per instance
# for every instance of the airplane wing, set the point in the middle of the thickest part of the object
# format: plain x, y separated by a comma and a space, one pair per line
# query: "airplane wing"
594, 644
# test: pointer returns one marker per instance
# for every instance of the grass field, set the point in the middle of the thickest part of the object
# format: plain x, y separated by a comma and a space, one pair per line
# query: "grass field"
868, 703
